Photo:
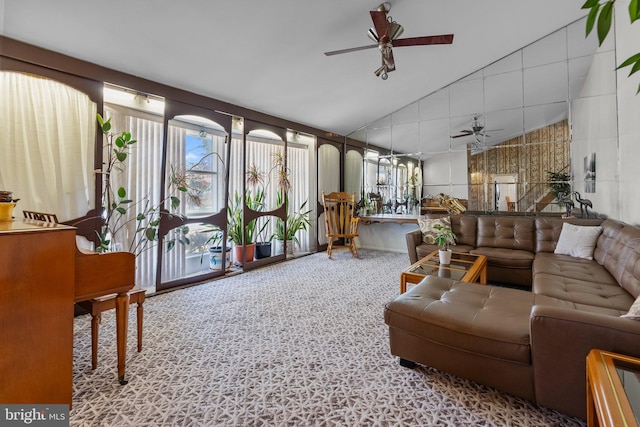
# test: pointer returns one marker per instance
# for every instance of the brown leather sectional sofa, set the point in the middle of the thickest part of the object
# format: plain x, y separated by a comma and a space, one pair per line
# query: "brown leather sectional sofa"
528, 342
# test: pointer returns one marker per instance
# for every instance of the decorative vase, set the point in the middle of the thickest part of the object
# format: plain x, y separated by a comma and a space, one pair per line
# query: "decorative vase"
215, 258
445, 256
263, 250
6, 211
239, 252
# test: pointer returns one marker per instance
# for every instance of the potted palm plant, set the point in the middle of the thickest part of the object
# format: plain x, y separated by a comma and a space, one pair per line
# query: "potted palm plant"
295, 221
238, 233
444, 239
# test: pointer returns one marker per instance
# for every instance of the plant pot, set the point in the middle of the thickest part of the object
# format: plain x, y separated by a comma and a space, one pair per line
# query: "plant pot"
445, 256
215, 258
263, 250
239, 252
280, 247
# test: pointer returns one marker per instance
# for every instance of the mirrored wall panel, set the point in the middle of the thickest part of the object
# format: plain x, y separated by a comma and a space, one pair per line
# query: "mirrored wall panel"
508, 136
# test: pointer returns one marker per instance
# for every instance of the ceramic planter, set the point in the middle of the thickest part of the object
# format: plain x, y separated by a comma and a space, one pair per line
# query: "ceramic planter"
445, 256
263, 250
239, 252
216, 260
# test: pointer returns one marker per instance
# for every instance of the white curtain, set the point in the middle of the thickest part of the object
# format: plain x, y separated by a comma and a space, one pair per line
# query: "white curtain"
328, 178
353, 173
47, 141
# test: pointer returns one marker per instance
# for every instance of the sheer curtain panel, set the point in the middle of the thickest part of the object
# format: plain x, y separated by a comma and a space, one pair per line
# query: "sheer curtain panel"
47, 142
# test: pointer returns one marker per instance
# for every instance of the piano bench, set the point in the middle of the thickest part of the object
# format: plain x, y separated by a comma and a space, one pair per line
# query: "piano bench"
97, 305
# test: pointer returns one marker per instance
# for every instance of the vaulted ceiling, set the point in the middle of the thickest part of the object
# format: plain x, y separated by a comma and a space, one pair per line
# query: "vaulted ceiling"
268, 55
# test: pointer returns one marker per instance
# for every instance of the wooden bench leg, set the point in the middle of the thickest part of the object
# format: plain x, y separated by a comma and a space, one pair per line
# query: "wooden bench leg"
95, 325
139, 313
122, 316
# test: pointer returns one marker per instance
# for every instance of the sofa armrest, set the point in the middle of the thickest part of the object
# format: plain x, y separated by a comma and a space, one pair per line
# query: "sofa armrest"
561, 338
414, 238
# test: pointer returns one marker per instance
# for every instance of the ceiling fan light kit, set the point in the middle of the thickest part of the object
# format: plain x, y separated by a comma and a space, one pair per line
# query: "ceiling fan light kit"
385, 33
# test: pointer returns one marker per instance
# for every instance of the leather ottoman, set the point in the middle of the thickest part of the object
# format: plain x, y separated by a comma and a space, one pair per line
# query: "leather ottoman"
473, 331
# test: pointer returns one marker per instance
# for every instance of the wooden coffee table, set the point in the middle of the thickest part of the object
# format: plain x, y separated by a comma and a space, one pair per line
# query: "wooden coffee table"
464, 266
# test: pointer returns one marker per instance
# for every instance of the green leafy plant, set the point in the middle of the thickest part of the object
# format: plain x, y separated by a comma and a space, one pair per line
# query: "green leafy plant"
601, 16
295, 221
117, 205
559, 185
445, 236
236, 232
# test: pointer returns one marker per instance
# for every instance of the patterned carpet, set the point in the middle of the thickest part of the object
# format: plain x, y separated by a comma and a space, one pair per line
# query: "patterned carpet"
301, 343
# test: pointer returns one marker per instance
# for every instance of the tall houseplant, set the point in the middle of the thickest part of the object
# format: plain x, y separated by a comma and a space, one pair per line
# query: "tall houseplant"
119, 211
559, 185
295, 221
243, 234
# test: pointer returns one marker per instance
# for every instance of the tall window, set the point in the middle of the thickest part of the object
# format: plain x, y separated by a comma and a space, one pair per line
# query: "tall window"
141, 180
196, 154
260, 152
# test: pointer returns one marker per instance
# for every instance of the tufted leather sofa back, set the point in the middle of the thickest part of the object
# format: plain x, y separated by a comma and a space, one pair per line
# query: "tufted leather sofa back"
465, 227
506, 232
548, 231
618, 250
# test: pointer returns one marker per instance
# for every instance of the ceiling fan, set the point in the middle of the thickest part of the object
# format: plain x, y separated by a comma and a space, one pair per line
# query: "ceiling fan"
385, 33
476, 129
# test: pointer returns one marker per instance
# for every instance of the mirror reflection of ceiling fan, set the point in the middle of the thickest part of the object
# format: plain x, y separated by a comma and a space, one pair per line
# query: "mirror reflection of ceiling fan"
385, 33
477, 130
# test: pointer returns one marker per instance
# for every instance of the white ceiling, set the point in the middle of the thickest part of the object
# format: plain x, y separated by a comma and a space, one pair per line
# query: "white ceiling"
268, 55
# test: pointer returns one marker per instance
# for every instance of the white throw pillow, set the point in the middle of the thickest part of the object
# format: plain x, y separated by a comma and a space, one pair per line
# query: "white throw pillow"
634, 310
578, 241
428, 230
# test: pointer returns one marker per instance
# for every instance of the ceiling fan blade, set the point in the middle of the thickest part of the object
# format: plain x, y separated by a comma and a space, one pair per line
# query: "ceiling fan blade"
426, 40
463, 133
380, 23
351, 49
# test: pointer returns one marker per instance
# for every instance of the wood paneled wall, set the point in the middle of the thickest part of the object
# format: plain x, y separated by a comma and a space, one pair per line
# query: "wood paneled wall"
530, 157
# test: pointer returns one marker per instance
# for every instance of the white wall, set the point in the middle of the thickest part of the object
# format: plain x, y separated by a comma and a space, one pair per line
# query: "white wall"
605, 122
594, 129
446, 173
385, 237
627, 36
2, 16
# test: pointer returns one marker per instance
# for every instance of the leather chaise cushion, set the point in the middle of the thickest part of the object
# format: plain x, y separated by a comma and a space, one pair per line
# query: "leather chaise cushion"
486, 320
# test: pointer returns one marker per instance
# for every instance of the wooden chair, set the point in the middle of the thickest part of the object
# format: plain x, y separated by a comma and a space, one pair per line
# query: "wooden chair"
104, 281
340, 221
511, 206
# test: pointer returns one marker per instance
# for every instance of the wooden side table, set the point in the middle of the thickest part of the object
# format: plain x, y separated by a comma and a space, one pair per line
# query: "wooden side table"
613, 389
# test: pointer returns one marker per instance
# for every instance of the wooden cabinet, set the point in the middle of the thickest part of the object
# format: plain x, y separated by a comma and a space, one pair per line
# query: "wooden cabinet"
36, 312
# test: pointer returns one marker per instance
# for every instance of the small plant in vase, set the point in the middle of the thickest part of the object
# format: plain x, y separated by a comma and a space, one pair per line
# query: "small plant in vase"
444, 239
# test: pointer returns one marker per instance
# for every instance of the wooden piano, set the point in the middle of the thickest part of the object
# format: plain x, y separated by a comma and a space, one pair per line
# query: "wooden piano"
98, 275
